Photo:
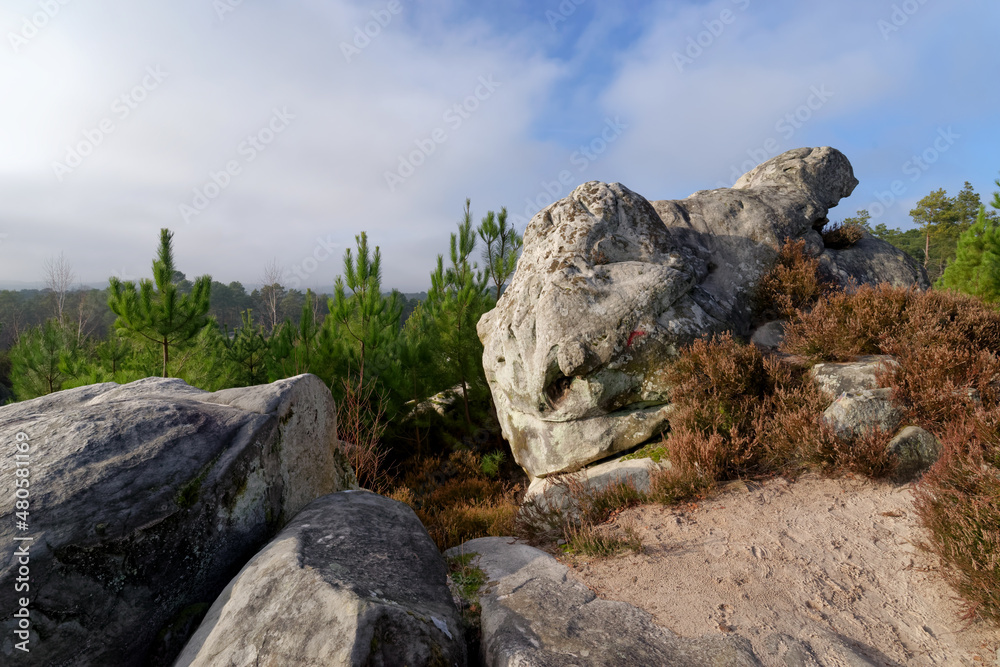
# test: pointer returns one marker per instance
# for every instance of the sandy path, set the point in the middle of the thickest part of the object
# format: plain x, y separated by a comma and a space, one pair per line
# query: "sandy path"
812, 572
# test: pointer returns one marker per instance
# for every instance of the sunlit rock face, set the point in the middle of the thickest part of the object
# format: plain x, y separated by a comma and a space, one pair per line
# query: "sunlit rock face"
610, 285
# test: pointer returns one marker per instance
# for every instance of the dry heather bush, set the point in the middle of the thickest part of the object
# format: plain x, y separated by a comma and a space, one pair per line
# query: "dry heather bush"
945, 344
792, 284
958, 503
737, 413
940, 384
863, 454
848, 324
457, 502
839, 236
360, 425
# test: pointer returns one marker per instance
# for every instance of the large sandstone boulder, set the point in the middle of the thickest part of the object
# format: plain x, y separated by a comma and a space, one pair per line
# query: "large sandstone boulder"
354, 579
534, 614
145, 500
610, 285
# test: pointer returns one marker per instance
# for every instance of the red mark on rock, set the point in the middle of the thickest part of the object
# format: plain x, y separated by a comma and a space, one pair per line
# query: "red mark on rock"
632, 336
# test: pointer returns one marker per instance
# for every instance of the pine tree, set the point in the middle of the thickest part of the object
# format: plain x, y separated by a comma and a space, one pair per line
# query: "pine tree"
976, 269
503, 245
935, 214
361, 334
113, 352
42, 360
247, 352
966, 206
291, 348
420, 375
157, 312
458, 298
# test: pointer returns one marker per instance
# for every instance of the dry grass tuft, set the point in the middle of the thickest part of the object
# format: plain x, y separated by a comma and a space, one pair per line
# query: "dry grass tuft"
601, 541
360, 425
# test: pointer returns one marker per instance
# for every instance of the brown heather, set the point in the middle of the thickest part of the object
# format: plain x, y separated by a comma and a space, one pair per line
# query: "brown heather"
948, 381
958, 503
457, 502
840, 236
845, 325
791, 285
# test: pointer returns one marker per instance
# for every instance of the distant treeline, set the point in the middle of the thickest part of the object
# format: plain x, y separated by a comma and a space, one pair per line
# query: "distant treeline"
87, 308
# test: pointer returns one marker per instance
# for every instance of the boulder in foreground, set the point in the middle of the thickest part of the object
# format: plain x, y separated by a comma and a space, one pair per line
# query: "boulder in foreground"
354, 579
146, 499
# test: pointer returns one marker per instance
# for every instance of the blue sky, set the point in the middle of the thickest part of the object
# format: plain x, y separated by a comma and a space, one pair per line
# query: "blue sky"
278, 131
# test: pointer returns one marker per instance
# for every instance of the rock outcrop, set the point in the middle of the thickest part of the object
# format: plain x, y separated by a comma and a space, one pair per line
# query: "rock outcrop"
145, 500
860, 404
534, 614
610, 285
354, 579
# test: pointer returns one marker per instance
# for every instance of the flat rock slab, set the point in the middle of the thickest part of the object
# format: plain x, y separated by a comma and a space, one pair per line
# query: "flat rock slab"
560, 495
534, 615
851, 377
354, 579
145, 500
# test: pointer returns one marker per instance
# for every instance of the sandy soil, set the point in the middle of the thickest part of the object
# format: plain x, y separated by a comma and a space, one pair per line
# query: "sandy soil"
812, 572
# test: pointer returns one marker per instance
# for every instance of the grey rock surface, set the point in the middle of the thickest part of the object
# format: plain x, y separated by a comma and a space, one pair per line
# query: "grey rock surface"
853, 414
354, 579
553, 496
917, 450
769, 335
851, 377
610, 285
147, 498
872, 260
534, 614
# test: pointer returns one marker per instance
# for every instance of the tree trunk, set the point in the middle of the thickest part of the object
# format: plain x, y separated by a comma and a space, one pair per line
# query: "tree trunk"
166, 356
927, 248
